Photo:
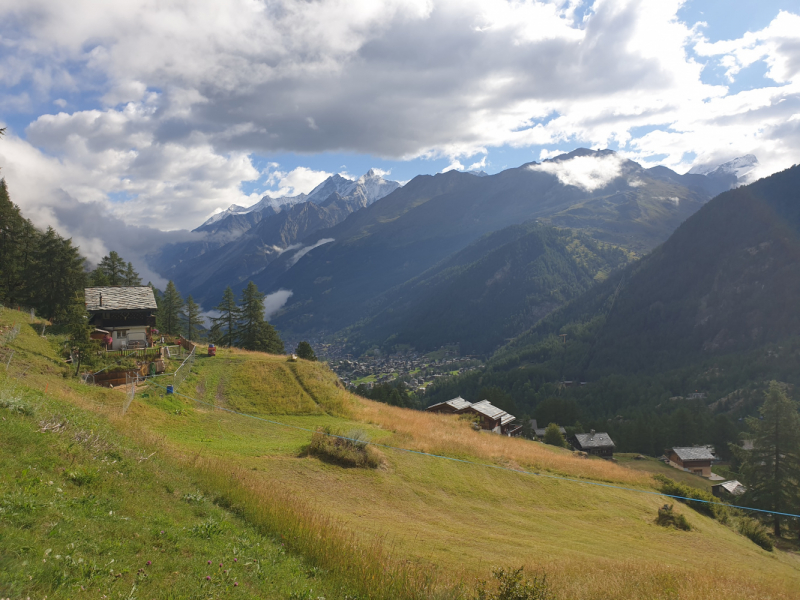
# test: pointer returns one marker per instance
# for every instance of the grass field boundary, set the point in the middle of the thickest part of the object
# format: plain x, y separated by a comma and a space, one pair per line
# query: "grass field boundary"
490, 466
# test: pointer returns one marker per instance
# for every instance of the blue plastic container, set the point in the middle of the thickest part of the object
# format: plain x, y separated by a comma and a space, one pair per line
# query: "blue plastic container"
170, 389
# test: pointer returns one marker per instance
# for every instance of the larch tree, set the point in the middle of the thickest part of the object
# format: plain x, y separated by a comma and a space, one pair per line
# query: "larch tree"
79, 331
169, 310
191, 318
131, 276
225, 328
771, 470
255, 332
110, 271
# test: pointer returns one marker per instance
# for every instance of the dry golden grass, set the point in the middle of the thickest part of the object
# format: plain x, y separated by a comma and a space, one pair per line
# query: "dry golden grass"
448, 435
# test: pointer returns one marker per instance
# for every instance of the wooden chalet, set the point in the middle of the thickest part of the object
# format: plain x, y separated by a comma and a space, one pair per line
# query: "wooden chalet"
491, 418
596, 444
696, 460
728, 488
124, 314
452, 407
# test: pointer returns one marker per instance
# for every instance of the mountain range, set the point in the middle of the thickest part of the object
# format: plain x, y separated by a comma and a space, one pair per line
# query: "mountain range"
384, 264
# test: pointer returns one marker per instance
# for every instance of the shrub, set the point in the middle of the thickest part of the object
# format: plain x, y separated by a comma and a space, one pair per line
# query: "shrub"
667, 518
349, 449
553, 436
12, 401
513, 585
672, 488
756, 532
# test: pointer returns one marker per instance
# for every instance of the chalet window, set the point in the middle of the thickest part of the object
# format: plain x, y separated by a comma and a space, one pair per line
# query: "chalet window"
122, 333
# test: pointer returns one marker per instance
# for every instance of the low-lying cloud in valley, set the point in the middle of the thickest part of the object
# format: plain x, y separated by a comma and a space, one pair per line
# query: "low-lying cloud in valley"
301, 253
275, 301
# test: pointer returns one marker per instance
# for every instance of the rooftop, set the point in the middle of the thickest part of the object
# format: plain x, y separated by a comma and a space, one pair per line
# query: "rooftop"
701, 453
120, 298
594, 440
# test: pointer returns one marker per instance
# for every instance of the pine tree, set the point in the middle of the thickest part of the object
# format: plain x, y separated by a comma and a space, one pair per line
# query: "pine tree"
18, 242
58, 276
255, 332
191, 317
79, 330
110, 271
131, 276
771, 470
226, 323
304, 350
169, 310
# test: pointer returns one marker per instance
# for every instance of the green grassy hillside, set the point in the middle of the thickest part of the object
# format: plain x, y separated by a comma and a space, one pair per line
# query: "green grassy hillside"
415, 527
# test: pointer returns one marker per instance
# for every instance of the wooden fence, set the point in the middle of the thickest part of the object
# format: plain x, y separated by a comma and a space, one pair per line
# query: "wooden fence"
137, 353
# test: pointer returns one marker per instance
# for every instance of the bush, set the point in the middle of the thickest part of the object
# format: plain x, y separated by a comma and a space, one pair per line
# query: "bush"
672, 488
349, 449
513, 585
553, 436
667, 518
756, 532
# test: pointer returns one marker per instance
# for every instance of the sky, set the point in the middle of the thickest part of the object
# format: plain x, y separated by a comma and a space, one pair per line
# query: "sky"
129, 123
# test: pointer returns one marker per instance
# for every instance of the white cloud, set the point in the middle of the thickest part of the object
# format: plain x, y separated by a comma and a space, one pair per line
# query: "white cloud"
586, 172
275, 301
300, 180
191, 88
305, 250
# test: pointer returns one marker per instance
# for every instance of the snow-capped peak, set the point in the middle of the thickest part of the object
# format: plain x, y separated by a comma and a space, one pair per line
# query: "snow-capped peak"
373, 185
740, 167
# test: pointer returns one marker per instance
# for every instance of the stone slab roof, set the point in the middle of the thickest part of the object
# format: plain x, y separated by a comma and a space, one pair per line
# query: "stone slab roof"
594, 440
120, 298
701, 453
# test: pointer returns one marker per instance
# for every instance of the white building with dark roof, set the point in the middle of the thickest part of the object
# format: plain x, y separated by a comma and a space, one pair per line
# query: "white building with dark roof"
127, 313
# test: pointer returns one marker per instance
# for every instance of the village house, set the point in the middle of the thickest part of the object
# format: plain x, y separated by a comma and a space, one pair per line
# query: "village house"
123, 316
728, 488
596, 444
696, 460
491, 418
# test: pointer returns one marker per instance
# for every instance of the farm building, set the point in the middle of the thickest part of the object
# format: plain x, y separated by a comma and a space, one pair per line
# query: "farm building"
125, 314
728, 488
491, 418
696, 460
454, 406
597, 444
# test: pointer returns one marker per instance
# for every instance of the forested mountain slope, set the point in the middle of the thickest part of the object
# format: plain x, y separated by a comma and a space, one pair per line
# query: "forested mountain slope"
726, 281
432, 217
481, 296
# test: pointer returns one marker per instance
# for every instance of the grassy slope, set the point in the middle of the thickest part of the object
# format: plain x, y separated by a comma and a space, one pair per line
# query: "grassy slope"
83, 508
594, 542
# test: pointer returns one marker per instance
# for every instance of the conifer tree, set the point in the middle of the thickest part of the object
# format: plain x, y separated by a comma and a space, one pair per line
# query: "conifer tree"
169, 310
771, 470
58, 276
79, 331
191, 318
110, 271
131, 276
225, 326
255, 332
305, 351
18, 242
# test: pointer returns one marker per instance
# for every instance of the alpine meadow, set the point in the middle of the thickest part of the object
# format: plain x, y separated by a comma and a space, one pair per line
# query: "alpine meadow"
400, 300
